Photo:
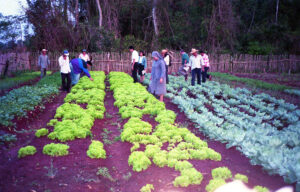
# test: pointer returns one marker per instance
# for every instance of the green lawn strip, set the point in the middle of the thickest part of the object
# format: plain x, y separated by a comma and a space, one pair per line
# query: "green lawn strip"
10, 82
251, 82
18, 101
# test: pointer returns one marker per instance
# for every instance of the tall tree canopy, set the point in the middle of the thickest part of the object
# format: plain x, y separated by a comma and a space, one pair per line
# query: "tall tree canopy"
244, 26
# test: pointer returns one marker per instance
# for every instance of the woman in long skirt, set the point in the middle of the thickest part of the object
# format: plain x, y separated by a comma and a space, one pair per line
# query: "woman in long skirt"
158, 76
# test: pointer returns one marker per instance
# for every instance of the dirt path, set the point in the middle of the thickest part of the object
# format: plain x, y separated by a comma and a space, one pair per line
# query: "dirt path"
77, 172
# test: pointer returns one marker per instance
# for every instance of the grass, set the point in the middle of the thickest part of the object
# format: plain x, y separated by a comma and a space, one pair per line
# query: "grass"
104, 172
251, 82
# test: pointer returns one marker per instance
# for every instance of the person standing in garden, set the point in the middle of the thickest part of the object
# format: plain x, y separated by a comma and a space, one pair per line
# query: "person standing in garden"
43, 62
158, 76
184, 69
84, 55
78, 66
196, 63
205, 67
167, 59
134, 63
142, 61
65, 71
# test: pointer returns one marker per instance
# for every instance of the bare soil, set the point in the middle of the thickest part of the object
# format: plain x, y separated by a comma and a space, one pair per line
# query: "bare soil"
77, 172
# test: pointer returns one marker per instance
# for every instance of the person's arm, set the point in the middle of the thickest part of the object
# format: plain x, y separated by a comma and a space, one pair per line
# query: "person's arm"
145, 63
48, 61
163, 72
39, 61
201, 62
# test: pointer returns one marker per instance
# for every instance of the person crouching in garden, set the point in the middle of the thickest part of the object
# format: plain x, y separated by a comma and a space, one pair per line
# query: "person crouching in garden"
167, 60
205, 67
158, 76
142, 66
65, 71
134, 63
78, 66
196, 62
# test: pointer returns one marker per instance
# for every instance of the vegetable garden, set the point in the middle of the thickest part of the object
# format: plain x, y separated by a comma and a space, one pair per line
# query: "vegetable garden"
111, 134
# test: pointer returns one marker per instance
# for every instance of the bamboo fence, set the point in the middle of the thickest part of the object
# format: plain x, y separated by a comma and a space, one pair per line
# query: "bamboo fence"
107, 62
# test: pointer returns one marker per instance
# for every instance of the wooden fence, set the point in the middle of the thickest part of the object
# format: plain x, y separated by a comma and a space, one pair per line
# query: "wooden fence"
121, 62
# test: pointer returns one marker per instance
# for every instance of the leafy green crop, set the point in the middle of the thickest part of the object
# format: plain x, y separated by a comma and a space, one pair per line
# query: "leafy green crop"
241, 177
261, 189
56, 149
25, 151
214, 184
41, 132
147, 188
96, 150
221, 173
139, 161
18, 101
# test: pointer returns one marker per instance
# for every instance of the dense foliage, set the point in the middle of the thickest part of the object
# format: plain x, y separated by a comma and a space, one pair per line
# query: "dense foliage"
247, 26
18, 101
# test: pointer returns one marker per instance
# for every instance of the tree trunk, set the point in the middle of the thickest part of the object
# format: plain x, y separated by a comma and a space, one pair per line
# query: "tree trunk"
154, 17
100, 13
66, 10
76, 11
277, 5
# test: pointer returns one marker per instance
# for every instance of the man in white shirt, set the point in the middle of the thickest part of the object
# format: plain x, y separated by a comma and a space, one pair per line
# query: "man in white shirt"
84, 56
166, 57
196, 62
65, 71
134, 63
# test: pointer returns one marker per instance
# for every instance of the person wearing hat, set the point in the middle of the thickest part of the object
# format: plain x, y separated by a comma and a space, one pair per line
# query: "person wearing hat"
43, 62
167, 60
84, 55
78, 66
65, 71
196, 63
205, 67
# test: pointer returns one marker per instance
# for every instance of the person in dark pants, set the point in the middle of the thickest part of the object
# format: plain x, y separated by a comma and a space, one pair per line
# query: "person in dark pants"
134, 63
205, 67
65, 71
167, 60
142, 66
196, 62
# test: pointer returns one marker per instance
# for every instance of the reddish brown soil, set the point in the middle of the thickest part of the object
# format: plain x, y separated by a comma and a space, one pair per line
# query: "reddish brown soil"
293, 80
77, 172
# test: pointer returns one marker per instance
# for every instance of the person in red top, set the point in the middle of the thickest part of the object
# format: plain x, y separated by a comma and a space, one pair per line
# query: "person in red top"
205, 67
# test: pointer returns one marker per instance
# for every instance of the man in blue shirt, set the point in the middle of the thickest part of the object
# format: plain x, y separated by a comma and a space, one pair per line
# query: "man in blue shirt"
77, 67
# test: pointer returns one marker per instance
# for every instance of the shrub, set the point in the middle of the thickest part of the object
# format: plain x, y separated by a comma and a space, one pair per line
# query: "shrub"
221, 173
96, 150
41, 132
25, 151
54, 149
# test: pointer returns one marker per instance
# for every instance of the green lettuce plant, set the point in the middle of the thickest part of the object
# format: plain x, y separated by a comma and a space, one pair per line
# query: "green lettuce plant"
25, 151
96, 150
56, 149
41, 132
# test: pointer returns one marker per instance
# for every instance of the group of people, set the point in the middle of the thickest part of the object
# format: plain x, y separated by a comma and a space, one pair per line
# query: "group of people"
70, 70
198, 63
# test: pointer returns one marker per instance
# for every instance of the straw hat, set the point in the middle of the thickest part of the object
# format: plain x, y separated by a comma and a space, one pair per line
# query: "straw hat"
194, 50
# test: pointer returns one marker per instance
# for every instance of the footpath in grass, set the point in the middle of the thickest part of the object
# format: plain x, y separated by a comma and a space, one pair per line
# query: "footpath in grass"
78, 172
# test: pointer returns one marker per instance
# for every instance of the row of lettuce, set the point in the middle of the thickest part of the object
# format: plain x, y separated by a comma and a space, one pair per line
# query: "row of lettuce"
19, 101
251, 122
166, 145
74, 121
